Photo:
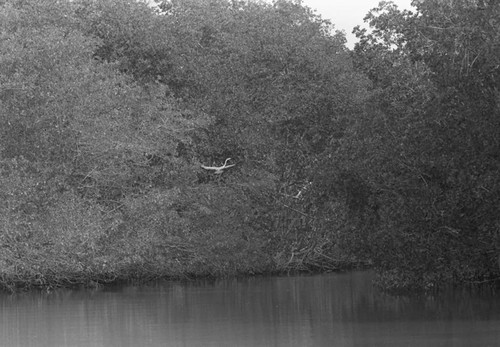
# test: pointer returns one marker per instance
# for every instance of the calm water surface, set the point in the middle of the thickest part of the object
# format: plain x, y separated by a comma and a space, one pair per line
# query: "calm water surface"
324, 310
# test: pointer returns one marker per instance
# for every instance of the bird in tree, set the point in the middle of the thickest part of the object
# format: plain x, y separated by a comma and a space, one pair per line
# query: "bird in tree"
219, 169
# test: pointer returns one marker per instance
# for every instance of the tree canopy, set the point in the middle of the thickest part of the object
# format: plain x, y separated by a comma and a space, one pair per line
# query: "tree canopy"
384, 156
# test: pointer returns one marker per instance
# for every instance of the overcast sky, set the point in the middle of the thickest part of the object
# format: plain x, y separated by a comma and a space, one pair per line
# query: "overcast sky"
346, 14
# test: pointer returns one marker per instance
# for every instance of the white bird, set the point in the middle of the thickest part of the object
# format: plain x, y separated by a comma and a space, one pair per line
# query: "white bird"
219, 169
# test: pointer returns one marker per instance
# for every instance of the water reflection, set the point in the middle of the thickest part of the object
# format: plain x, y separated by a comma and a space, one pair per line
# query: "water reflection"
326, 310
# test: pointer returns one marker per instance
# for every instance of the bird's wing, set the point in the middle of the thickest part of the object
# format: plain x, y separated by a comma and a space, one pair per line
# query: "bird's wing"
209, 167
217, 168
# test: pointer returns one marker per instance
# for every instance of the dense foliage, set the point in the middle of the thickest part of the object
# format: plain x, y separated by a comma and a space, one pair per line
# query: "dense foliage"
429, 152
385, 155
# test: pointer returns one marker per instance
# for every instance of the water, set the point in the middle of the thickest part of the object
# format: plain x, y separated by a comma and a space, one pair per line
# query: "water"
322, 310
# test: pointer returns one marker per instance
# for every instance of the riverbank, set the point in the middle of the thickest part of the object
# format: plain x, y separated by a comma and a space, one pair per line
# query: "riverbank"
47, 265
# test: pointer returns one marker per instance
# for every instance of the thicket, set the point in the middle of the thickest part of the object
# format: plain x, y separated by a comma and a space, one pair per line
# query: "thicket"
428, 152
385, 155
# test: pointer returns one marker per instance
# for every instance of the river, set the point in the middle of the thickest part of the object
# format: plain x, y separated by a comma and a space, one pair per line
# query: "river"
319, 310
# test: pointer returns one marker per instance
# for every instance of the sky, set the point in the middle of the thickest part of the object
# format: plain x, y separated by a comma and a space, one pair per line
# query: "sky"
346, 14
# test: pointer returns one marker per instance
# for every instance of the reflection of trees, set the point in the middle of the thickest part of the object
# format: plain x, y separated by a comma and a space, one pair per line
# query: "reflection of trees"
260, 311
448, 304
